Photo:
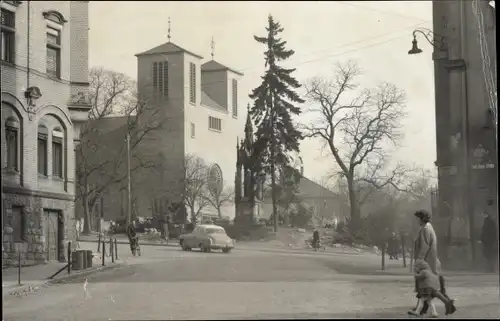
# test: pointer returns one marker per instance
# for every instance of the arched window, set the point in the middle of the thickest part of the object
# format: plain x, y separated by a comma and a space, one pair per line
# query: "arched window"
57, 152
12, 141
43, 135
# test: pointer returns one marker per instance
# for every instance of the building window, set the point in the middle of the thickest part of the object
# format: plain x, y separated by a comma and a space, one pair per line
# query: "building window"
42, 150
16, 221
12, 142
53, 52
235, 98
8, 30
57, 153
193, 130
165, 78
214, 123
192, 83
155, 76
160, 77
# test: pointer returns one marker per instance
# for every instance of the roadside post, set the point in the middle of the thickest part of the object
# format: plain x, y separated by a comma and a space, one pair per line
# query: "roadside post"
20, 250
69, 257
103, 253
111, 250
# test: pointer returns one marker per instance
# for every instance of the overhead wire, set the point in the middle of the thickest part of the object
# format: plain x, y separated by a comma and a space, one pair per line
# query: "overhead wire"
324, 57
381, 11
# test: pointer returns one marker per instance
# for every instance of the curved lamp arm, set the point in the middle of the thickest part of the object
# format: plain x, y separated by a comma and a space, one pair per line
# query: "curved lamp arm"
427, 33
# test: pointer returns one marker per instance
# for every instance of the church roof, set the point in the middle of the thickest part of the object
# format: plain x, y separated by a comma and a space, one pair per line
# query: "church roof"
213, 65
166, 48
207, 101
109, 123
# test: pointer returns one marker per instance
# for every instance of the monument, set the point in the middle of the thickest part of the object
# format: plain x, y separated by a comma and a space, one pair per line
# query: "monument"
249, 179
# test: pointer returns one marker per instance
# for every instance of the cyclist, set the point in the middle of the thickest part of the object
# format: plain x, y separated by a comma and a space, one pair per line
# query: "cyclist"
132, 236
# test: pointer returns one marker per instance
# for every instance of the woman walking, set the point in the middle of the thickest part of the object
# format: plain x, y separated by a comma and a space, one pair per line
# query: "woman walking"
425, 248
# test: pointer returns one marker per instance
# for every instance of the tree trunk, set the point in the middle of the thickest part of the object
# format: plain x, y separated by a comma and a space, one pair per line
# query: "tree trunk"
86, 215
193, 216
353, 205
383, 249
273, 192
403, 250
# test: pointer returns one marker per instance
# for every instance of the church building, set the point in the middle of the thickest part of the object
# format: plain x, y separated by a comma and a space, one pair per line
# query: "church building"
197, 103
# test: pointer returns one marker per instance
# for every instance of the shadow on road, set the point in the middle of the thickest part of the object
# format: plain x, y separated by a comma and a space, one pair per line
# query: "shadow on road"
399, 312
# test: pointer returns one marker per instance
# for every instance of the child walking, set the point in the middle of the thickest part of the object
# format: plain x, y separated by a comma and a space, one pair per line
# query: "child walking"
427, 283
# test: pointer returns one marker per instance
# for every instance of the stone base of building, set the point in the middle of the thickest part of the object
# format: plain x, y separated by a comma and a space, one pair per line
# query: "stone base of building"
32, 241
457, 257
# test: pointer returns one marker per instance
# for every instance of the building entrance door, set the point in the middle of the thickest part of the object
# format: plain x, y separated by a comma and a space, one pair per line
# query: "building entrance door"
51, 230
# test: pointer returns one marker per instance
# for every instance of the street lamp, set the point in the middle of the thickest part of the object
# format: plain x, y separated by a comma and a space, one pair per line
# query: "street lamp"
427, 33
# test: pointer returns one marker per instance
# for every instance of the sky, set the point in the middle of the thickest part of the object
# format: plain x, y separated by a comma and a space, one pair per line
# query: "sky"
377, 35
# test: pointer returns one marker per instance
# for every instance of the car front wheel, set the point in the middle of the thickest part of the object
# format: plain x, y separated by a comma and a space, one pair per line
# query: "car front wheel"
204, 248
226, 250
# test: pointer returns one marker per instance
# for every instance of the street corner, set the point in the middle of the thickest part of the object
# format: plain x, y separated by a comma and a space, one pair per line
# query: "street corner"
90, 272
21, 290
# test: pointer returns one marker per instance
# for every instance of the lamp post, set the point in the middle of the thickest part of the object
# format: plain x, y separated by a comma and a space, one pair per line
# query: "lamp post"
129, 196
452, 137
438, 42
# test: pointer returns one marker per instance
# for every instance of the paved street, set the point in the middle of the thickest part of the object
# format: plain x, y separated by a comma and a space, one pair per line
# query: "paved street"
167, 283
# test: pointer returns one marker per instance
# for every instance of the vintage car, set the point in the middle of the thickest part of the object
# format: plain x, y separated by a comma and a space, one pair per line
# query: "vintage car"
207, 237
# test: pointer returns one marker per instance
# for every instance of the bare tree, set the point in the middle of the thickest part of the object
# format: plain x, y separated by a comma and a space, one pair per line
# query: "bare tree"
102, 154
196, 193
218, 200
356, 125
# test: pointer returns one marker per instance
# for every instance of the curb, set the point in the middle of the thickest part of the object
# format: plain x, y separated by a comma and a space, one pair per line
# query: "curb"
63, 279
443, 273
74, 275
295, 251
126, 243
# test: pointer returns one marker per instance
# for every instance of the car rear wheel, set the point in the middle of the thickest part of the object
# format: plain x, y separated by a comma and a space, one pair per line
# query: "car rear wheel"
184, 246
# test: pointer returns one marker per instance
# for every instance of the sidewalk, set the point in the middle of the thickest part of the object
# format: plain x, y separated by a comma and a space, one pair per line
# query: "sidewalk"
122, 239
38, 275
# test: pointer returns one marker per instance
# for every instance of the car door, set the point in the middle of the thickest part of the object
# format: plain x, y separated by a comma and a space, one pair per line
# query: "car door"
198, 236
191, 237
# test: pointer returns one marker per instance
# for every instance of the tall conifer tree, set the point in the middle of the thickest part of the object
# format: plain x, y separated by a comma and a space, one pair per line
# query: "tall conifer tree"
274, 107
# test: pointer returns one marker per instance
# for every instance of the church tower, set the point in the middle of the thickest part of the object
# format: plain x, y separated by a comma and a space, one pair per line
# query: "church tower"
167, 80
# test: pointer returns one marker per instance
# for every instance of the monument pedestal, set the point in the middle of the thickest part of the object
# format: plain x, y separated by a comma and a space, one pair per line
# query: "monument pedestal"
248, 214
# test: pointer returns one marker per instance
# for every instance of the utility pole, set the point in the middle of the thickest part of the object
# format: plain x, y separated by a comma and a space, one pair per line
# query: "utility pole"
129, 192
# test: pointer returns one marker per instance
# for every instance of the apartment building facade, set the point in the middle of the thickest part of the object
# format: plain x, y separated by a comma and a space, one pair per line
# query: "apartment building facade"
44, 88
465, 81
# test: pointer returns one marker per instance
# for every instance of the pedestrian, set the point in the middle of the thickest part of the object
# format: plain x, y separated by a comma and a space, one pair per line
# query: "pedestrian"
425, 248
315, 240
392, 247
166, 227
427, 284
161, 223
489, 239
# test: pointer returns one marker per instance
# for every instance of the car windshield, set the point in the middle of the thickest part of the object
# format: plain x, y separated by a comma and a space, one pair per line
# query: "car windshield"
215, 231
